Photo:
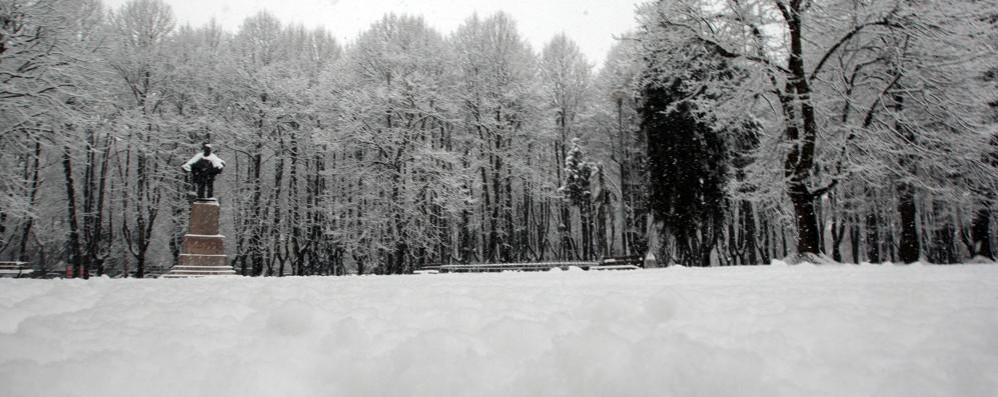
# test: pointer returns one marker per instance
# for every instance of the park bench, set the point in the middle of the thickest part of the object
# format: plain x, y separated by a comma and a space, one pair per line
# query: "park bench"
614, 267
519, 267
619, 263
15, 269
623, 262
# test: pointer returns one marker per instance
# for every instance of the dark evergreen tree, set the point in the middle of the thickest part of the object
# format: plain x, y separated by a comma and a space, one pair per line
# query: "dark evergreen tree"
577, 190
687, 166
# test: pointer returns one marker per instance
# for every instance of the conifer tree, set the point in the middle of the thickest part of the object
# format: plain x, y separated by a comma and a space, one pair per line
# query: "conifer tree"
687, 160
578, 192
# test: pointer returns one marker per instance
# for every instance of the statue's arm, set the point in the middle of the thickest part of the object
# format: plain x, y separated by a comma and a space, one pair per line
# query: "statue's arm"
217, 164
187, 166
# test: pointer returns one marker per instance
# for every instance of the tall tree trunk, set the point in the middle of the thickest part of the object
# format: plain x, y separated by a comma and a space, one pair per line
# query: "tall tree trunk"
22, 251
838, 230
276, 232
807, 226
980, 232
294, 206
748, 230
99, 243
872, 230
854, 239
796, 101
147, 199
256, 228
75, 251
513, 244
764, 247
908, 247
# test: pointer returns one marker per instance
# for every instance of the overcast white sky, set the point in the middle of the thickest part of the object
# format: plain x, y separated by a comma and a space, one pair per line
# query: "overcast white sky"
591, 23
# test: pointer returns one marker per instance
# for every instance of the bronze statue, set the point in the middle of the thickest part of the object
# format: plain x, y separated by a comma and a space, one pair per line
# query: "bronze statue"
203, 167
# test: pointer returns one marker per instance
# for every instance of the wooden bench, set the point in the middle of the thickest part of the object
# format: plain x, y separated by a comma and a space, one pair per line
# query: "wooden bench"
15, 269
614, 267
518, 267
622, 263
632, 260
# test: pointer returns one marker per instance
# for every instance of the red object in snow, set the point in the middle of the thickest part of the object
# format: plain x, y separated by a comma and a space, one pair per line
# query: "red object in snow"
69, 273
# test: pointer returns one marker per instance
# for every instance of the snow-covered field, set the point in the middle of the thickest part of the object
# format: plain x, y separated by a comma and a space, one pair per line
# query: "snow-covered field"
759, 331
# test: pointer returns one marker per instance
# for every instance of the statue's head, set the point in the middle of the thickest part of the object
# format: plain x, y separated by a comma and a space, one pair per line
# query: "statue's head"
206, 147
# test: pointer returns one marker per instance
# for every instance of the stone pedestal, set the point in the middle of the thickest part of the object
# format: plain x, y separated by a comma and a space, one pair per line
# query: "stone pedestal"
203, 250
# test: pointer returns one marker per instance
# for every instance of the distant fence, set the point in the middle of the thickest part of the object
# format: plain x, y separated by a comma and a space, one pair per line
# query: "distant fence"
606, 264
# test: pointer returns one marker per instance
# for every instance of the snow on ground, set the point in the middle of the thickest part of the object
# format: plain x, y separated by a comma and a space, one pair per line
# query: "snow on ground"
748, 331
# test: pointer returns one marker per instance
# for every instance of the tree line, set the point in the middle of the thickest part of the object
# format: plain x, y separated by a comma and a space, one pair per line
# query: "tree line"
727, 135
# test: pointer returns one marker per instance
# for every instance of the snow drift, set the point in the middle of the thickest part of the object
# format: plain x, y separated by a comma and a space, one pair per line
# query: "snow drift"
762, 331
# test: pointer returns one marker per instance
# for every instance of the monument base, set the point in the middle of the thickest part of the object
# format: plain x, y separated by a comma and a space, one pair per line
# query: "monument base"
201, 265
203, 249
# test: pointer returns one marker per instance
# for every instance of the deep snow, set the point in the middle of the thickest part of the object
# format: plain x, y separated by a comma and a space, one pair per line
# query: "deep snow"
748, 331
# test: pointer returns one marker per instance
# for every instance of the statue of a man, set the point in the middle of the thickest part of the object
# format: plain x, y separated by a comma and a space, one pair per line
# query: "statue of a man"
203, 168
